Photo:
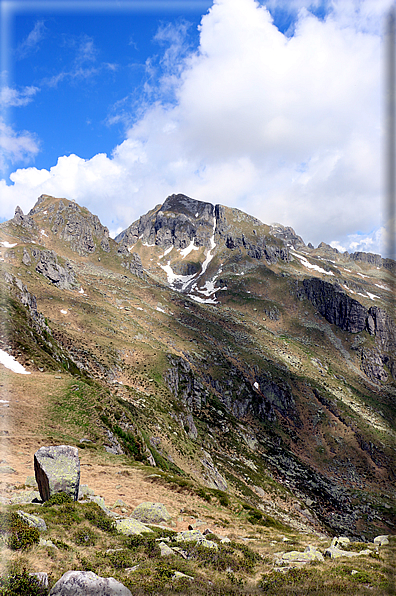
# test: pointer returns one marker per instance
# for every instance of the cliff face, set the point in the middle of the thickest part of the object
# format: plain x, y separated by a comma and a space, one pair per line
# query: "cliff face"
347, 313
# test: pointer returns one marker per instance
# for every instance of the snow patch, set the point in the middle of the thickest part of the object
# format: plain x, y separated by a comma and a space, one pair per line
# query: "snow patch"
186, 251
7, 244
146, 244
81, 291
372, 296
139, 308
382, 287
168, 250
256, 385
42, 232
64, 312
161, 310
309, 265
361, 275
9, 362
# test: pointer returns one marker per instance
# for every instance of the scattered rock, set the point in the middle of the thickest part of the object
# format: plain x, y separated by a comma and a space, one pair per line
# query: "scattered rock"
57, 469
151, 513
381, 540
131, 526
33, 520
28, 496
180, 575
340, 541
42, 578
87, 583
165, 549
195, 536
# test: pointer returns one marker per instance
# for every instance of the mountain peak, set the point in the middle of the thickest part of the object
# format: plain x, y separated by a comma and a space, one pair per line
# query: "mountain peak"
186, 205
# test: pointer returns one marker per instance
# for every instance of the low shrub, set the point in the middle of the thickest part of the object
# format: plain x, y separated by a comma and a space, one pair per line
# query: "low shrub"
58, 499
17, 533
98, 518
21, 583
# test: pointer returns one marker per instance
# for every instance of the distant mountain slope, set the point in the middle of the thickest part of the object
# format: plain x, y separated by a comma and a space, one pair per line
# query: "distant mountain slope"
229, 351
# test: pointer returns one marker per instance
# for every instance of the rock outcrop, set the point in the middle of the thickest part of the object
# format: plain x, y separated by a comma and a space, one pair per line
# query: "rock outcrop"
151, 513
87, 583
57, 469
62, 277
74, 224
182, 220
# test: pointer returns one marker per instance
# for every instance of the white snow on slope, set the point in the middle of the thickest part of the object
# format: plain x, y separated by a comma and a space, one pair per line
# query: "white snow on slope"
309, 265
7, 244
42, 232
168, 250
186, 251
372, 296
382, 287
9, 362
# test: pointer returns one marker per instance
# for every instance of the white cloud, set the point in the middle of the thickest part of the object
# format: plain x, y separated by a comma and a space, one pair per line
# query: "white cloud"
31, 42
288, 129
11, 97
15, 146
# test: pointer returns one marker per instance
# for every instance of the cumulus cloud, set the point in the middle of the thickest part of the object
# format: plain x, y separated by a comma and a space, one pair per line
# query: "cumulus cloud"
287, 128
15, 146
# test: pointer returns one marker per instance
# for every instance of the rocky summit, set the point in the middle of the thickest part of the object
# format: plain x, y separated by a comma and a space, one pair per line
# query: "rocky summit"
215, 356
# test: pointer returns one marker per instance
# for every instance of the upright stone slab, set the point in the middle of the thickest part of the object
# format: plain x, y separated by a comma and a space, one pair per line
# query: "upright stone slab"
57, 469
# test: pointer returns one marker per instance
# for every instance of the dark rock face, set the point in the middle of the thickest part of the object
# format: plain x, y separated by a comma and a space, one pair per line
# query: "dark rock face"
234, 391
87, 583
75, 225
62, 277
57, 469
288, 235
134, 265
25, 221
348, 314
367, 257
177, 222
335, 305
181, 220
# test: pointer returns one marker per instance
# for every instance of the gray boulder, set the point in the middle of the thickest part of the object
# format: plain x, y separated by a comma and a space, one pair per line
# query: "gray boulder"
86, 583
57, 469
151, 513
33, 520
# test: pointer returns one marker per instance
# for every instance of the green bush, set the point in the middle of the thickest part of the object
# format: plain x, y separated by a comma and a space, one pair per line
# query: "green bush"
145, 545
58, 499
277, 579
18, 534
21, 583
98, 518
120, 559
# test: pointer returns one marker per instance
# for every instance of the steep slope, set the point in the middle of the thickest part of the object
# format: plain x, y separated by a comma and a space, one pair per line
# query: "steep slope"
220, 348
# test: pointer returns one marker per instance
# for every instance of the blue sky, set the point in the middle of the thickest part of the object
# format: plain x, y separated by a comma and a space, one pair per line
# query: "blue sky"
275, 109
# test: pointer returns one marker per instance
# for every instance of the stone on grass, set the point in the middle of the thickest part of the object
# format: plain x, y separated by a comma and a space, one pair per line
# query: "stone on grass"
33, 520
165, 549
85, 491
27, 496
334, 552
41, 577
180, 575
340, 541
195, 536
310, 554
131, 526
87, 583
381, 540
57, 469
151, 513
31, 481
